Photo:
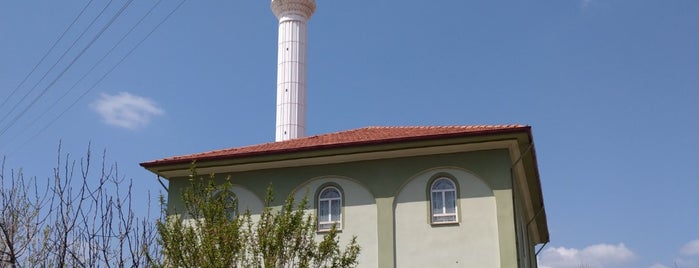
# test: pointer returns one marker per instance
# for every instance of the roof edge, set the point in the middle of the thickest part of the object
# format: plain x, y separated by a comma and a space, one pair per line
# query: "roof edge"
186, 159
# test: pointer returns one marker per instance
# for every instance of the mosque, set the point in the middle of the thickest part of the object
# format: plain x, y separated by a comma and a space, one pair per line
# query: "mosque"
415, 196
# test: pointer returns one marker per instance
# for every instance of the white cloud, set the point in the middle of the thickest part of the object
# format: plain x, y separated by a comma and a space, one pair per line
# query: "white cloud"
599, 255
691, 248
685, 263
126, 110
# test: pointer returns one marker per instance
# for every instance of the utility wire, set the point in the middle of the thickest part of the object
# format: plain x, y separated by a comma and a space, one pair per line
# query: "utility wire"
36, 119
46, 54
14, 120
56, 63
103, 76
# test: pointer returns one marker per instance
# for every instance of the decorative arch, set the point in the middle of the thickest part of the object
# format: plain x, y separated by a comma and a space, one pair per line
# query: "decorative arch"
327, 180
458, 174
247, 200
470, 232
359, 212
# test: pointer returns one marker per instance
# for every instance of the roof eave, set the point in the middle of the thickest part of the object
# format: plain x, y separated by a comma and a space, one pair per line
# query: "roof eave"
541, 219
152, 165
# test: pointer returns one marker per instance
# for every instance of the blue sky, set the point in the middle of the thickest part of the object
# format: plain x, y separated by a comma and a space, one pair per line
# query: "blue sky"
610, 87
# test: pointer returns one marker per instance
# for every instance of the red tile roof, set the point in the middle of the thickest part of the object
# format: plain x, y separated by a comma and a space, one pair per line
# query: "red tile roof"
354, 137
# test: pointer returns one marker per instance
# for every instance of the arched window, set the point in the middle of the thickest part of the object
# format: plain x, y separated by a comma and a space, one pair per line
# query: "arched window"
329, 209
230, 202
443, 199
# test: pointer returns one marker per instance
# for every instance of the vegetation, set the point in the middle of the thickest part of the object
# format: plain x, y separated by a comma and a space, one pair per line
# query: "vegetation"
211, 232
75, 218
84, 217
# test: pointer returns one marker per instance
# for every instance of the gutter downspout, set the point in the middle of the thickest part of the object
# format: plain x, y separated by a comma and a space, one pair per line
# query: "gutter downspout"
514, 197
535, 215
531, 145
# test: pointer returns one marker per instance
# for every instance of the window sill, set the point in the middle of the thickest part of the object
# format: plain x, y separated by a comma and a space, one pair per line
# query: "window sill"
325, 231
328, 226
448, 223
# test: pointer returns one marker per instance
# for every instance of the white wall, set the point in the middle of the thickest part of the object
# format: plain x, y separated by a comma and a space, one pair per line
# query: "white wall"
247, 200
473, 242
358, 215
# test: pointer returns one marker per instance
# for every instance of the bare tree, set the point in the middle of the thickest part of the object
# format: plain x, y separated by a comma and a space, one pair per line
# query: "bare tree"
77, 218
84, 217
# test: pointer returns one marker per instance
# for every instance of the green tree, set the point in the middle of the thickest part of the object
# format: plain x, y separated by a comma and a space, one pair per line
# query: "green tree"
211, 232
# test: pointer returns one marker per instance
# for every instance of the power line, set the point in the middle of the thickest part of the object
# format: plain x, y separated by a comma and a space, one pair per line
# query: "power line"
55, 64
46, 54
103, 76
94, 66
14, 120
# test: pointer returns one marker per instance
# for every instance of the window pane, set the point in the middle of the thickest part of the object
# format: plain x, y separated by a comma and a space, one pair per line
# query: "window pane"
444, 201
450, 201
323, 211
229, 202
437, 203
330, 193
443, 184
335, 210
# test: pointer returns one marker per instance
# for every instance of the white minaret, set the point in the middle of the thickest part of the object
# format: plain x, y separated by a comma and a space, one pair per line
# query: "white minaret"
293, 16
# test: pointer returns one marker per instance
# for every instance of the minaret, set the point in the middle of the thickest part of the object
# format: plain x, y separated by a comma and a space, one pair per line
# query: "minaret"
293, 16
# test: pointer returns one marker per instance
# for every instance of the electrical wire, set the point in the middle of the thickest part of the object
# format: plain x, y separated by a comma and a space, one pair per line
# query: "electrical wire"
111, 21
103, 76
94, 66
46, 54
56, 63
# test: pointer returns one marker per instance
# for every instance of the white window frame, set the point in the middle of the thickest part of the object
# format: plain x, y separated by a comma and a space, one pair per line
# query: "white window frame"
232, 197
327, 223
444, 217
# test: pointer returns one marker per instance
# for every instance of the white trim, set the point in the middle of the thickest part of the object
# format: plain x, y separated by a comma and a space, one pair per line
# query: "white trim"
339, 158
442, 193
325, 225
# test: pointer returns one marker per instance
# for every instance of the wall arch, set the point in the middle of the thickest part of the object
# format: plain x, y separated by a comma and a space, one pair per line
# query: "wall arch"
359, 214
247, 200
471, 242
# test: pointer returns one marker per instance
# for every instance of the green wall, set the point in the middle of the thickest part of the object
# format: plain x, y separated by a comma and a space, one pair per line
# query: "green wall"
383, 180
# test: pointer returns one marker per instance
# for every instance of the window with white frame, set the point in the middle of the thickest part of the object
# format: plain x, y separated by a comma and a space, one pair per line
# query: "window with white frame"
230, 201
329, 209
443, 198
